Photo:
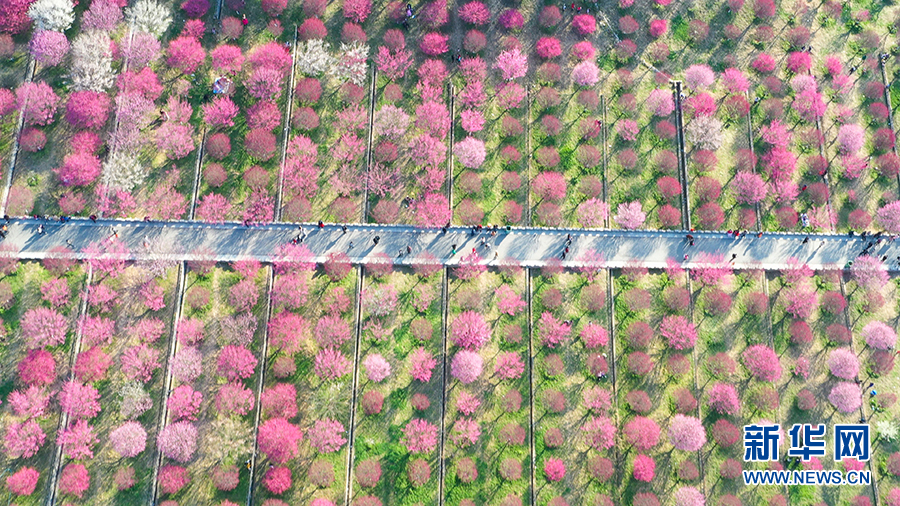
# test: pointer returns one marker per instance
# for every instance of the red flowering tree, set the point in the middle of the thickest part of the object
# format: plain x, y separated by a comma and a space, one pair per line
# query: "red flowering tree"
279, 440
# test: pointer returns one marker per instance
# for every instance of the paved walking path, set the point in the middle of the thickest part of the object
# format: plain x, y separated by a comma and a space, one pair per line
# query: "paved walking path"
532, 247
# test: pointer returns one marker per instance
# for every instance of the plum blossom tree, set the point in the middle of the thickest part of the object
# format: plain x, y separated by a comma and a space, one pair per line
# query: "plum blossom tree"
23, 439
37, 102
629, 215
599, 432
749, 188
470, 152
642, 433
687, 433
879, 335
78, 440
470, 331
421, 364
509, 365
128, 439
419, 436
679, 332
48, 47
551, 331
326, 436
512, 64
178, 441
845, 397
762, 362
723, 399
74, 480
466, 366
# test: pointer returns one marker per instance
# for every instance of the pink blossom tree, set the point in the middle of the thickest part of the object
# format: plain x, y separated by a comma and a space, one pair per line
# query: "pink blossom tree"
331, 364
679, 332
869, 272
762, 362
77, 440
138, 362
509, 365
554, 469
749, 188
74, 480
185, 54
644, 468
236, 362
37, 102
551, 331
470, 152
642, 433
419, 436
23, 481
470, 331
326, 436
723, 399
512, 64
43, 327
421, 364
508, 301
23, 439
79, 401
279, 401
37, 368
599, 432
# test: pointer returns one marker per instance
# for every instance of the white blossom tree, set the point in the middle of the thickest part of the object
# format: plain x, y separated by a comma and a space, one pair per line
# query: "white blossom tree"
150, 17
313, 57
91, 67
55, 15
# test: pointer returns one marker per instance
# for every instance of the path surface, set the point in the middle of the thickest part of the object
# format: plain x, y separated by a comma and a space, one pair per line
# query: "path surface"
532, 247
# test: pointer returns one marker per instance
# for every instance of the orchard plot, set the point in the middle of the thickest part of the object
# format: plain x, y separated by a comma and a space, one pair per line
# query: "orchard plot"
40, 307
399, 377
487, 431
208, 429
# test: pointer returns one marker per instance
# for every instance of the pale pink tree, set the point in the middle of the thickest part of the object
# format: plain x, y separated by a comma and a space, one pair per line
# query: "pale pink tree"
686, 433
512, 64
470, 152
699, 76
869, 272
466, 366
586, 74
42, 327
138, 362
879, 335
846, 397
592, 213
178, 441
630, 216
213, 208
377, 367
